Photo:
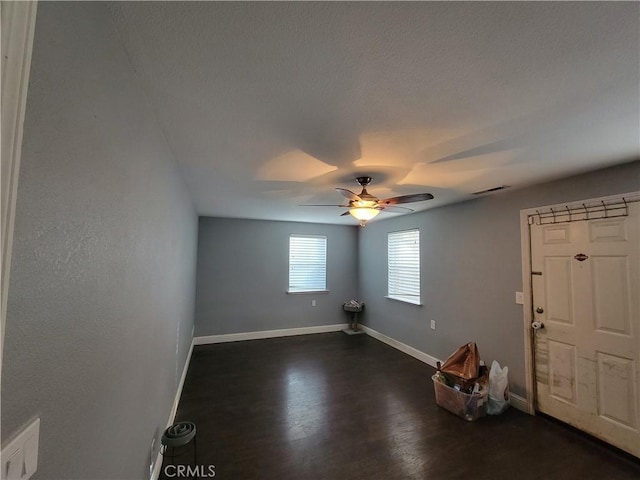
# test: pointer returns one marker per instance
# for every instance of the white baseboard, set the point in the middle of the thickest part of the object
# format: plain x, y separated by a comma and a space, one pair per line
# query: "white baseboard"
516, 401
403, 347
176, 400
174, 408
285, 332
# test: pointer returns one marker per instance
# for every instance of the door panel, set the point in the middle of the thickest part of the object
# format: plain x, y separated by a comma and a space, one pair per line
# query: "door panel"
562, 371
559, 286
611, 294
557, 234
587, 295
617, 399
608, 230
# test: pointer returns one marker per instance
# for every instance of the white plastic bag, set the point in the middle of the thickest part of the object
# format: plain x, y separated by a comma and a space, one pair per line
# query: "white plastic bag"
498, 389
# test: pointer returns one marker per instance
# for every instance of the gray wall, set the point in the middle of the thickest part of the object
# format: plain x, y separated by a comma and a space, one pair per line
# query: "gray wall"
470, 269
101, 301
243, 276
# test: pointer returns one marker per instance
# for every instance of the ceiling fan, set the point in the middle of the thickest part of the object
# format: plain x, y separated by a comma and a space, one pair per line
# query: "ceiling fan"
364, 206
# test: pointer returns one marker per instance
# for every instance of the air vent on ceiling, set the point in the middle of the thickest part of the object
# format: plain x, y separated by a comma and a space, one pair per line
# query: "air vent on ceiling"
494, 189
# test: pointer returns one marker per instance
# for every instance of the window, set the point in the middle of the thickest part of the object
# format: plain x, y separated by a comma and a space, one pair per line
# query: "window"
307, 263
404, 266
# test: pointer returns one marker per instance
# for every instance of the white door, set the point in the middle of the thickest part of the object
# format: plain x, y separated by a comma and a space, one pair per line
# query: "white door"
586, 293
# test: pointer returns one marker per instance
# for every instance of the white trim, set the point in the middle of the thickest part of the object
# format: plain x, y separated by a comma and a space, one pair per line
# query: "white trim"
525, 245
403, 300
172, 416
403, 347
519, 403
516, 401
527, 313
307, 235
285, 332
176, 401
18, 26
307, 292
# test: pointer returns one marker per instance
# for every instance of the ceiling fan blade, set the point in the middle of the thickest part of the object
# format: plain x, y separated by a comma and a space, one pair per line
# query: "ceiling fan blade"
416, 197
395, 209
349, 194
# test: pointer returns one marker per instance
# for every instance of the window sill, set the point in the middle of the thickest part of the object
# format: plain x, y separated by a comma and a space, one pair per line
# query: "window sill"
404, 300
307, 292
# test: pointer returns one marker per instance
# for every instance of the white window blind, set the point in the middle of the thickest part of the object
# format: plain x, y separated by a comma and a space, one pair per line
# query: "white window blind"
404, 266
307, 263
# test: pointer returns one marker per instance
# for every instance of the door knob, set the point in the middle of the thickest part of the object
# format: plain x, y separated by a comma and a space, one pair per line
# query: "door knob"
539, 310
537, 325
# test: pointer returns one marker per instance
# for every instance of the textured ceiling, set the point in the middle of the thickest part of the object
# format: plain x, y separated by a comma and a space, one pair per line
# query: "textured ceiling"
268, 106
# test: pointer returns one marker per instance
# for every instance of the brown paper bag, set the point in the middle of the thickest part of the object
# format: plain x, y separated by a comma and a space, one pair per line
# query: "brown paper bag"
464, 363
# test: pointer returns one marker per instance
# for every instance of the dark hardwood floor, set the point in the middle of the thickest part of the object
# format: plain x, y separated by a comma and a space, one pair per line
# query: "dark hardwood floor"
333, 406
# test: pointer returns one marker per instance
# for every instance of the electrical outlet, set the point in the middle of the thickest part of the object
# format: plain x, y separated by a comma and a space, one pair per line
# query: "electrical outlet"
433, 324
313, 303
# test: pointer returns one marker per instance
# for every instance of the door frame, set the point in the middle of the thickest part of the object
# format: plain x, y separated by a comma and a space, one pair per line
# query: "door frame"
18, 27
527, 307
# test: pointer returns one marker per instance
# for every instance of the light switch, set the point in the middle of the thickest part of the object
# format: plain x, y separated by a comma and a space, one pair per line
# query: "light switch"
31, 455
20, 456
13, 466
520, 298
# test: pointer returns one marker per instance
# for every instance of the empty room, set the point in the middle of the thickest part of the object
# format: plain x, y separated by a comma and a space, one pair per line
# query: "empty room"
320, 240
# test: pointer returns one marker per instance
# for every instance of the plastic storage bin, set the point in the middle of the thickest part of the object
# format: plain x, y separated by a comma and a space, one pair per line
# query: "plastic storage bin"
467, 406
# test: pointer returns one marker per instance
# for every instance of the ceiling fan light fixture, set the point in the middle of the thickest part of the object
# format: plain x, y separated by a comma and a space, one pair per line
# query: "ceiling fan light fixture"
363, 213
364, 206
